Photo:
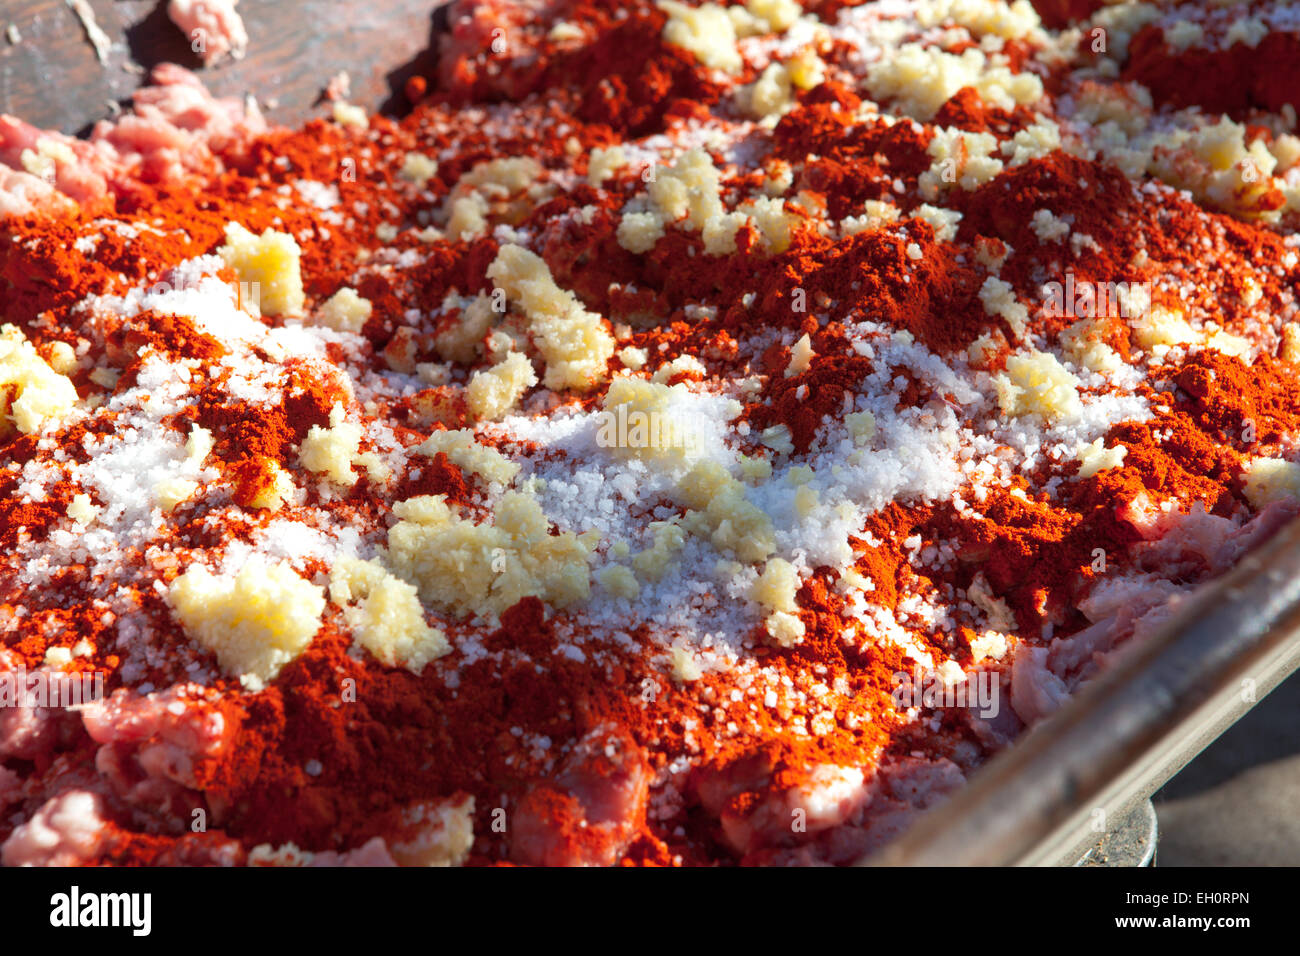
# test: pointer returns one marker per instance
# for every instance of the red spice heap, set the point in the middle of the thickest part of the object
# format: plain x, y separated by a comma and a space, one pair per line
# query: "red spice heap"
917, 459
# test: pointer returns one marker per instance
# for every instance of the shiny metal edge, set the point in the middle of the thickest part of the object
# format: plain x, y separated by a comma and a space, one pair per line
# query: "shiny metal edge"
1125, 733
1129, 843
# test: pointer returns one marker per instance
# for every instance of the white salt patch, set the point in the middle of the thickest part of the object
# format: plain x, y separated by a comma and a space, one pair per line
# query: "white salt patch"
320, 195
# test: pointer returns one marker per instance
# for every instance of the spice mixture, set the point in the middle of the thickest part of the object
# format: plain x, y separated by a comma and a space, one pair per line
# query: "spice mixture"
696, 434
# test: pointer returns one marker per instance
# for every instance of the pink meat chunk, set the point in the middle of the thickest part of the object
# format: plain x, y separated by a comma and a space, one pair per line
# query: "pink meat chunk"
66, 831
32, 732
214, 27
891, 801
176, 129
775, 815
154, 748
588, 813
373, 852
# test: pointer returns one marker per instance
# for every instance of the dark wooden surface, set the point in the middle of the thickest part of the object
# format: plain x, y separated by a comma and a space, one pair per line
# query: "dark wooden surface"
53, 79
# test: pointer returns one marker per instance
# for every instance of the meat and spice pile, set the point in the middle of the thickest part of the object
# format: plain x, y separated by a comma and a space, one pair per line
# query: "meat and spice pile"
696, 434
